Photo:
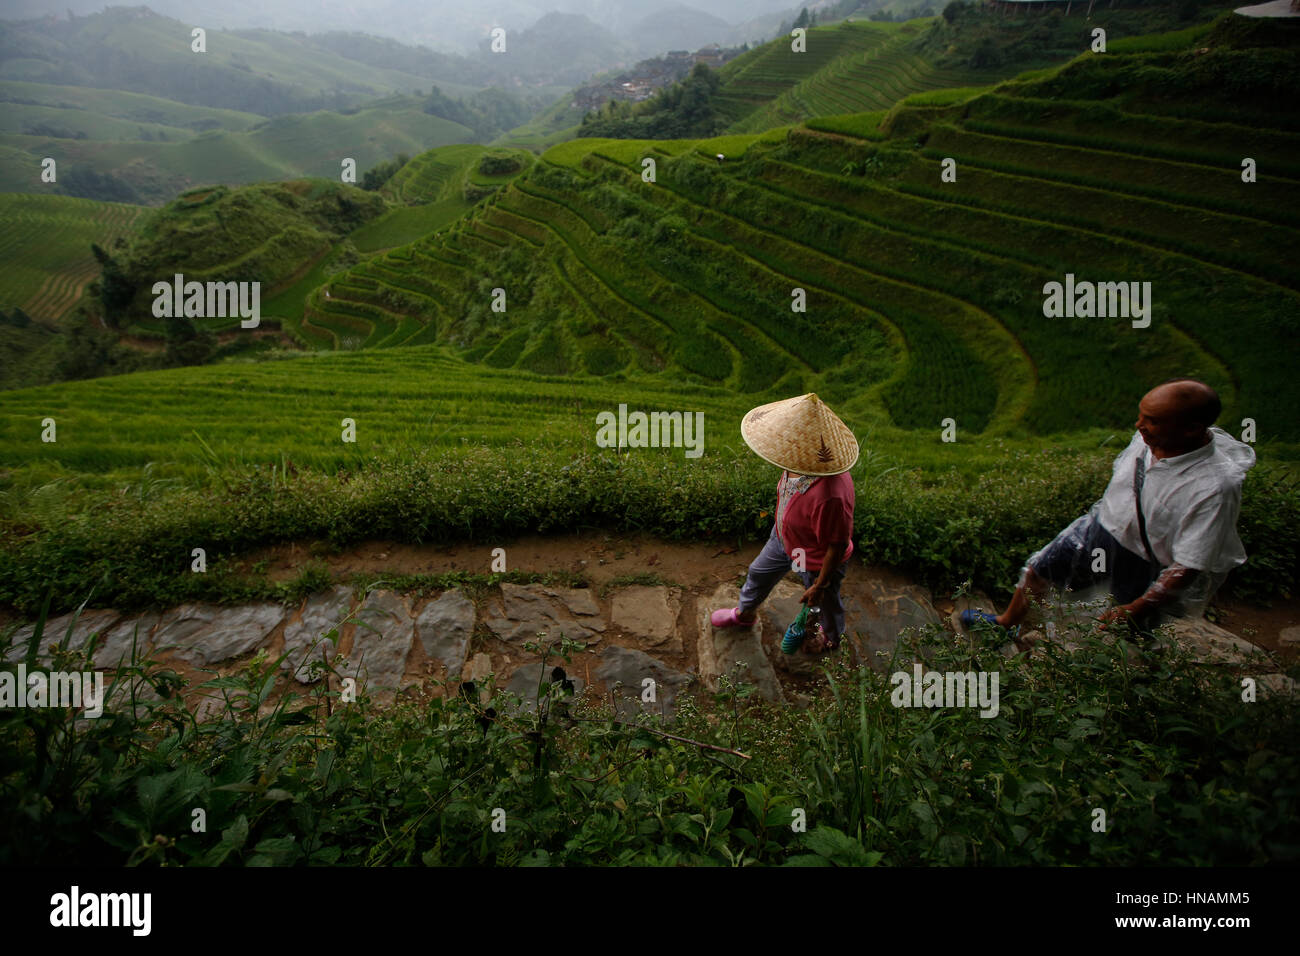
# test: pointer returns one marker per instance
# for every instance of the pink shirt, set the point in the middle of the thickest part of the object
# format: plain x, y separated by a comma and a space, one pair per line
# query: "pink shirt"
813, 513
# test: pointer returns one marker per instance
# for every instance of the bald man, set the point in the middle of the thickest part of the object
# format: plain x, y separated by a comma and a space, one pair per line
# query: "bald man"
1164, 535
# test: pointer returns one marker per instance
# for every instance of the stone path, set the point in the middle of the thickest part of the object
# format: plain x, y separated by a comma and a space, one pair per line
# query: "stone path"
645, 645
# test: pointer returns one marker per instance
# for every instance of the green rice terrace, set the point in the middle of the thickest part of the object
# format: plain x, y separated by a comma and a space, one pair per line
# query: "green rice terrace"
852, 68
924, 297
46, 245
873, 224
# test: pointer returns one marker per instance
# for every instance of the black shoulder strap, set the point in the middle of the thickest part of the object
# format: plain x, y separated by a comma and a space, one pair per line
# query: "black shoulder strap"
1139, 479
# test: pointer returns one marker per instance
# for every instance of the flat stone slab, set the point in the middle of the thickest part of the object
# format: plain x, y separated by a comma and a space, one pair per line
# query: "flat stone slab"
304, 636
880, 621
478, 668
118, 696
734, 651
526, 610
1289, 635
445, 626
90, 622
648, 615
206, 634
210, 707
523, 684
625, 670
381, 641
115, 647
1210, 644
577, 601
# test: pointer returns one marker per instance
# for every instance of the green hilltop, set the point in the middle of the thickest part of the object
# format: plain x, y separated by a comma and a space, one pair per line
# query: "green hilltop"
285, 234
267, 233
289, 235
272, 233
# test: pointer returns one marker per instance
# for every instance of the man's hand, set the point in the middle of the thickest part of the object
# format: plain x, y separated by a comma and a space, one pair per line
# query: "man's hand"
813, 596
1123, 612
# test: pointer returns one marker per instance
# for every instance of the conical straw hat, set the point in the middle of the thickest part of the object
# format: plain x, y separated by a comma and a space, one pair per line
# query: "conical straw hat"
801, 435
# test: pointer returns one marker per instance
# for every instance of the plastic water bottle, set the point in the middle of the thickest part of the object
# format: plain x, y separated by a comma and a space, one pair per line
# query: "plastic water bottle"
794, 633
797, 631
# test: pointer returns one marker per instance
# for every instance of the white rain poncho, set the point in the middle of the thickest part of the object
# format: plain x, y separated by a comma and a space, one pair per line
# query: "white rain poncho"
1191, 504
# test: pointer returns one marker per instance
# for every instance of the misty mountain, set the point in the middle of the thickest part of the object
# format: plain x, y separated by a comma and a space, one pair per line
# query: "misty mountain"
269, 72
680, 28
563, 48
449, 26
261, 71
135, 50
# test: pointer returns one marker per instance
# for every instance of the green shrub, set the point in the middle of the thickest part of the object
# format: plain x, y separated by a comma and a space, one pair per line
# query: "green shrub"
499, 163
941, 528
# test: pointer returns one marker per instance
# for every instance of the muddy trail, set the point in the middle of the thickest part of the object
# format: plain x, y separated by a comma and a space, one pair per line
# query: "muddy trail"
640, 607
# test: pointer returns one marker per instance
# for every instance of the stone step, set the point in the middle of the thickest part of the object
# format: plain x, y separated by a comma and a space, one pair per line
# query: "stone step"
640, 683
304, 635
734, 652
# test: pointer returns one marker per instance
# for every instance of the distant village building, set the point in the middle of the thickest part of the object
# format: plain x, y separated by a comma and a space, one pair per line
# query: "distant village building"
711, 56
649, 76
636, 90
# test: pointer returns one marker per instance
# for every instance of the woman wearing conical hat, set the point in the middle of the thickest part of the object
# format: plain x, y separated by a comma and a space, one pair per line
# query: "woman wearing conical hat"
814, 512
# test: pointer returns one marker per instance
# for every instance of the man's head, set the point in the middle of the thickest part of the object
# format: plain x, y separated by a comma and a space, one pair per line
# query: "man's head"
1173, 417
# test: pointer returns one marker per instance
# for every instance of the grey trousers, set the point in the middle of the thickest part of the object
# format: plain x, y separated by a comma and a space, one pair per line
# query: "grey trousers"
771, 565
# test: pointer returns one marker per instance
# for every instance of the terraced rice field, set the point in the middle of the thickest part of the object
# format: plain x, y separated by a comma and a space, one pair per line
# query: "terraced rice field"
849, 68
754, 80
862, 81
46, 248
399, 399
432, 175
837, 259
924, 298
